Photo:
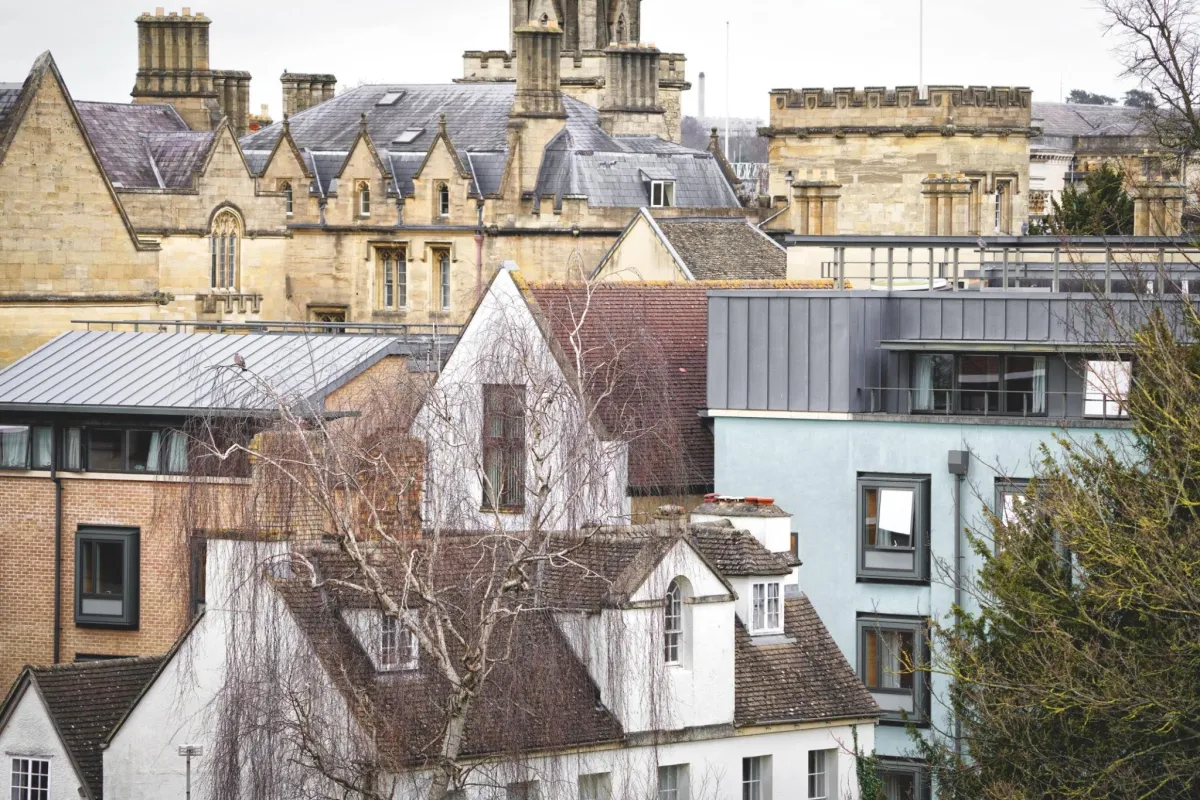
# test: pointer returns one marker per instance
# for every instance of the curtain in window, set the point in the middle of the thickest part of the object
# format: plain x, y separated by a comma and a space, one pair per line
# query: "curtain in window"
176, 451
923, 383
1039, 385
43, 441
72, 448
14, 445
152, 459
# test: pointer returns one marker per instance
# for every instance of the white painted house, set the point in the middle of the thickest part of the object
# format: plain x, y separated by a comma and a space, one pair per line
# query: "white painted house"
635, 669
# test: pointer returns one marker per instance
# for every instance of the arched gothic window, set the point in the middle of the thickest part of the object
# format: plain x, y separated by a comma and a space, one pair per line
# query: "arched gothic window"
673, 624
225, 249
443, 200
364, 199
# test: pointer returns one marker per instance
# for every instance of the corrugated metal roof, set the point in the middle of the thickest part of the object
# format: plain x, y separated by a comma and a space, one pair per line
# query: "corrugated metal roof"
180, 373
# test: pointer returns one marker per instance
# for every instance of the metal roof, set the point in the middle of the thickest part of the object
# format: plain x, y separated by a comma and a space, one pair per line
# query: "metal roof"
186, 373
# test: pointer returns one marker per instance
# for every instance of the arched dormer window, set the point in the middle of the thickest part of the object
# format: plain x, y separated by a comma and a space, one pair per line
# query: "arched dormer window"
675, 623
443, 200
364, 199
286, 188
225, 249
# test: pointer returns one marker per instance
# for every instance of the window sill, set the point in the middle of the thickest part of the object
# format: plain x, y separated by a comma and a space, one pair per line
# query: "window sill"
106, 625
910, 581
512, 512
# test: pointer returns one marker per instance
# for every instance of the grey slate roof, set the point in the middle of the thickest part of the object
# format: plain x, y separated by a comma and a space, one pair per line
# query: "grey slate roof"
717, 249
9, 93
1076, 119
138, 144
182, 373
86, 700
582, 161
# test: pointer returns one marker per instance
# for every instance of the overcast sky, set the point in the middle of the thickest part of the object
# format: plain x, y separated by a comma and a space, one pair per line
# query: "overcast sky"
773, 43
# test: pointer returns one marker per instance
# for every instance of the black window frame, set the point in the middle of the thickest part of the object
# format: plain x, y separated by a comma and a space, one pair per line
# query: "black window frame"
31, 430
956, 406
918, 770
921, 486
130, 539
127, 432
920, 692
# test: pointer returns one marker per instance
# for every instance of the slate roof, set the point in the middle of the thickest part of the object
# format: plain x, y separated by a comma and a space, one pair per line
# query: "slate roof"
807, 679
583, 161
725, 249
9, 94
144, 146
645, 344
1063, 124
86, 700
182, 373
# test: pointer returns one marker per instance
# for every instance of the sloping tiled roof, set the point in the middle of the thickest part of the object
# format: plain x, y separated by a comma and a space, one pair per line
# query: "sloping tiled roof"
9, 93
129, 139
1077, 119
86, 700
738, 553
647, 344
805, 680
179, 373
725, 249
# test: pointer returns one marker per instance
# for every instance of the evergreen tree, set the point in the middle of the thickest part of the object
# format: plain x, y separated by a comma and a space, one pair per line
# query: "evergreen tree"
1101, 208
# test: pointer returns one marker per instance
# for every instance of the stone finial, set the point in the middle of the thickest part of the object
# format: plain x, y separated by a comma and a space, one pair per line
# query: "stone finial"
442, 124
285, 122
362, 123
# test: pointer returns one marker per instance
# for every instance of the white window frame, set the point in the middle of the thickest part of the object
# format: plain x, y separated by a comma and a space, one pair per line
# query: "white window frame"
443, 200
596, 786
662, 194
364, 198
673, 782
1106, 388
394, 656
756, 778
288, 195
822, 774
673, 625
22, 776
444, 288
766, 607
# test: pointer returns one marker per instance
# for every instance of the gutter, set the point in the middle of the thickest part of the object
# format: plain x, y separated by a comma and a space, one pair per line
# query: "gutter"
58, 546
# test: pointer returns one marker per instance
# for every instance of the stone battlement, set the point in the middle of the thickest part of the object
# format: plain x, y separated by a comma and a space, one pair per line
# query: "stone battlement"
173, 17
587, 67
964, 106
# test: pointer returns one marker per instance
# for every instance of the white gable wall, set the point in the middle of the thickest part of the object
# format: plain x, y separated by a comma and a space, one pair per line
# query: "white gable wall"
29, 733
586, 477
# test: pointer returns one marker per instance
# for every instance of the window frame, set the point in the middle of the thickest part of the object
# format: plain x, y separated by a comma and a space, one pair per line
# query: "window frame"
288, 197
955, 406
392, 278
225, 249
32, 431
362, 191
917, 770
130, 540
1122, 410
918, 628
508, 401
399, 632
441, 199
673, 632
676, 774
441, 256
595, 786
756, 778
665, 190
827, 775
920, 486
28, 792
766, 627
166, 435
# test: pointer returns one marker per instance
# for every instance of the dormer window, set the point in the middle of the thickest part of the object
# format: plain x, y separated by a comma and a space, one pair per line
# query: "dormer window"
397, 646
767, 612
662, 194
364, 199
443, 200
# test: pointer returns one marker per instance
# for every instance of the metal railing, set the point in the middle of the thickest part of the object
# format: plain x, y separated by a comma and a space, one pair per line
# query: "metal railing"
406, 331
995, 403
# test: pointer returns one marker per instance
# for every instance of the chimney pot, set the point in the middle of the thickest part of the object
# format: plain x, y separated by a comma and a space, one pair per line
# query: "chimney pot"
158, 12
187, 11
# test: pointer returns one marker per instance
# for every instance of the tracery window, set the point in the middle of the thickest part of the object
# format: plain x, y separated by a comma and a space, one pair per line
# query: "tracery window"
224, 249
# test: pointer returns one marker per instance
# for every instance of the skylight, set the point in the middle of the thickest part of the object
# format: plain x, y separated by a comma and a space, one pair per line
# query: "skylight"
409, 136
390, 97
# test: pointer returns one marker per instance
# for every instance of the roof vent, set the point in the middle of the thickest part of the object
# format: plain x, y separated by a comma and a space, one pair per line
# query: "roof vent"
409, 136
390, 97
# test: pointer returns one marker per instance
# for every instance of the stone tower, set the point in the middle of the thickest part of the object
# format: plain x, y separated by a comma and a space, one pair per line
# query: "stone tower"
537, 113
586, 24
173, 67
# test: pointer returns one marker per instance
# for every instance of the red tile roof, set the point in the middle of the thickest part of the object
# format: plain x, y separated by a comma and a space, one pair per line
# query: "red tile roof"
642, 347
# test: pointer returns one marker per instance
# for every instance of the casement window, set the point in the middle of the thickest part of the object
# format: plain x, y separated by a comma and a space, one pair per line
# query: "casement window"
891, 653
146, 451
26, 447
393, 279
597, 786
904, 780
523, 790
1003, 213
107, 566
442, 259
443, 200
286, 188
893, 512
397, 646
767, 612
756, 778
673, 624
673, 782
364, 199
1010, 496
979, 384
504, 447
30, 779
822, 774
1106, 388
225, 250
662, 194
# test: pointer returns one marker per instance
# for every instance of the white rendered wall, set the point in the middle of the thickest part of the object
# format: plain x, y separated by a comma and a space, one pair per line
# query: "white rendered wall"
29, 733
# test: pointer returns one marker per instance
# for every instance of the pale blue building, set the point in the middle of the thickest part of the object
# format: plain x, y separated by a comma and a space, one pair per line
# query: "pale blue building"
884, 422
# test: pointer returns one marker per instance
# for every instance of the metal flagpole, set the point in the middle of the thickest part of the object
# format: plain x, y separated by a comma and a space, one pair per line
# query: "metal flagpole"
727, 82
921, 46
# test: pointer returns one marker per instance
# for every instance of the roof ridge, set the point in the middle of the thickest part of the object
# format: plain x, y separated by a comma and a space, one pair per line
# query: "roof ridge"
83, 666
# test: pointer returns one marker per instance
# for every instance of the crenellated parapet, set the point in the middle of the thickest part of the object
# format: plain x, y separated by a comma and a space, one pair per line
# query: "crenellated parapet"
945, 110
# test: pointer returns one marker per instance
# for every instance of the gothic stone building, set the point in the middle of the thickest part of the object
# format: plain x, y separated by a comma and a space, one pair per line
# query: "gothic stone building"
388, 203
